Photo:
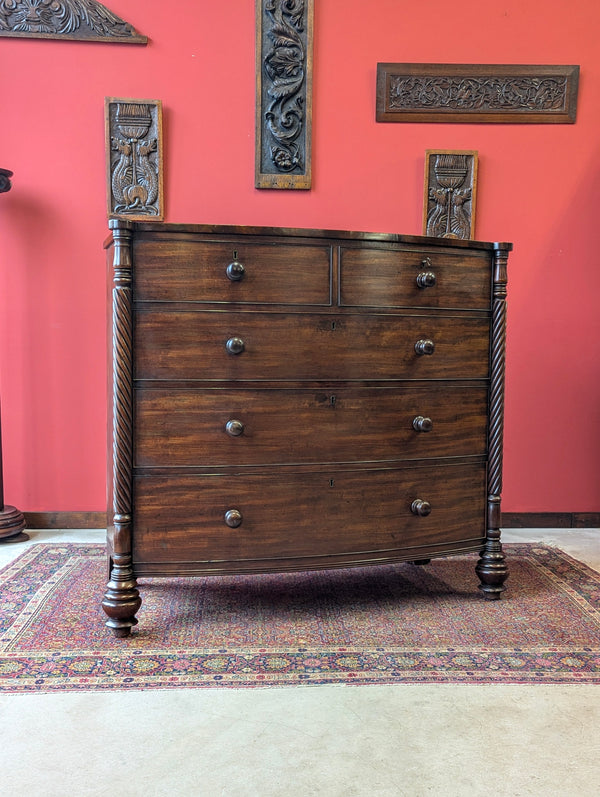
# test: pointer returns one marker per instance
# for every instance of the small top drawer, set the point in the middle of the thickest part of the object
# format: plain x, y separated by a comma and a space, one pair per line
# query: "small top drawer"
380, 277
188, 270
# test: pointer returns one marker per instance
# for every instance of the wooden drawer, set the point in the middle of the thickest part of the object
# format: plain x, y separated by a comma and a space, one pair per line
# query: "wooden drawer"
196, 271
220, 427
280, 346
296, 516
380, 277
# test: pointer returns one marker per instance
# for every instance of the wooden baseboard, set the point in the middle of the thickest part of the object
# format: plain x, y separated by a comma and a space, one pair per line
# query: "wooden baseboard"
65, 520
551, 520
510, 520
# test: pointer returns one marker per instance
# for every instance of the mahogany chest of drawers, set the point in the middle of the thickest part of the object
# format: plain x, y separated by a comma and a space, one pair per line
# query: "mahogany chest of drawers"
286, 399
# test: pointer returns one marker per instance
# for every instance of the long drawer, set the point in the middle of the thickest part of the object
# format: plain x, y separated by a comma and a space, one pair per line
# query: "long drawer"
331, 513
380, 277
282, 346
197, 271
186, 427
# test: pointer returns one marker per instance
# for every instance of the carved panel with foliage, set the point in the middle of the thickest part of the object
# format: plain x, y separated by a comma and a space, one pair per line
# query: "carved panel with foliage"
85, 20
450, 193
477, 93
134, 158
284, 31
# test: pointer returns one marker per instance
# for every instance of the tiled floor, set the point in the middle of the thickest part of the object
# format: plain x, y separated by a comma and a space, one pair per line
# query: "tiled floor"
388, 741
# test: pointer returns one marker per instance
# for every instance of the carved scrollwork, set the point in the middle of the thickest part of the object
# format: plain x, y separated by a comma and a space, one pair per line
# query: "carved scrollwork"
134, 157
65, 19
450, 190
284, 44
476, 93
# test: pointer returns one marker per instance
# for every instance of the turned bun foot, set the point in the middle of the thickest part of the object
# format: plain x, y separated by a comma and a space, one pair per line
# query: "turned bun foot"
121, 599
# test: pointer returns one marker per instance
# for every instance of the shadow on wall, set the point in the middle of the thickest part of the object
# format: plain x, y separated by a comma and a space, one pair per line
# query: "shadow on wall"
31, 349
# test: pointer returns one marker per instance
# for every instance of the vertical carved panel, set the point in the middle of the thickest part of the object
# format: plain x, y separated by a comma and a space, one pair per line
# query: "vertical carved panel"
284, 33
450, 193
134, 158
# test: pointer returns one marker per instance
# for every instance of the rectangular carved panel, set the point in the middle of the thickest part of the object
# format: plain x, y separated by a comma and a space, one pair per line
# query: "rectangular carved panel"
284, 41
450, 193
476, 93
134, 158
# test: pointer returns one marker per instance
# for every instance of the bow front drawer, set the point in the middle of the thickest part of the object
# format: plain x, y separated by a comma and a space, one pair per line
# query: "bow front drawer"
280, 346
245, 520
220, 427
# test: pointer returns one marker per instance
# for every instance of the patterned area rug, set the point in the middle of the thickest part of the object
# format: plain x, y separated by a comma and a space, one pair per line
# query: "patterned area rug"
376, 625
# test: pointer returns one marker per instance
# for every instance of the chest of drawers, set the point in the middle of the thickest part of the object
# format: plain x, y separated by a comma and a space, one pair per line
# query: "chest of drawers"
298, 399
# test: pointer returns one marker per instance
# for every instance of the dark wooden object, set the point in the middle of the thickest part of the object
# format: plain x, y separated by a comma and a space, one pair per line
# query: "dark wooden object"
12, 521
508, 93
134, 158
284, 64
510, 520
450, 193
297, 399
81, 20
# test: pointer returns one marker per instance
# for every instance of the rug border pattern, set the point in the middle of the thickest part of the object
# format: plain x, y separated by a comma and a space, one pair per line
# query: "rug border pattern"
225, 667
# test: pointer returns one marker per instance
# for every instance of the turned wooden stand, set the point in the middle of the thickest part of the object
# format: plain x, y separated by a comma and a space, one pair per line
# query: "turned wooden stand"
12, 521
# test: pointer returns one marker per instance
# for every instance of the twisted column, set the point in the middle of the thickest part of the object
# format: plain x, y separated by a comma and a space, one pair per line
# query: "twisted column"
491, 567
121, 599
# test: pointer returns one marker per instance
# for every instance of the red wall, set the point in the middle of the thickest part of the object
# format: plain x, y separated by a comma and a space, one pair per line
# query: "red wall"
538, 186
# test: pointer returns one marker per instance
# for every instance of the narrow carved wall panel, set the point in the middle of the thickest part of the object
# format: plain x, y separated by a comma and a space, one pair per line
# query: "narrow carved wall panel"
476, 93
82, 20
134, 158
450, 193
284, 33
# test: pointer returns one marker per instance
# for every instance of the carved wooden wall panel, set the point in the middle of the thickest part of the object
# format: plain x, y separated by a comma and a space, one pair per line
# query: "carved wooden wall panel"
85, 20
134, 158
476, 93
284, 36
450, 193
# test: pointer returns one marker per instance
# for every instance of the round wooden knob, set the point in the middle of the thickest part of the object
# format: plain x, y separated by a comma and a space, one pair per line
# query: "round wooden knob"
234, 428
425, 346
426, 279
420, 507
422, 424
235, 346
233, 518
235, 271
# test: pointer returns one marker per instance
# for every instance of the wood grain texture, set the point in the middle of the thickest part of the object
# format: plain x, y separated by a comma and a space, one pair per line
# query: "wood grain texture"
301, 399
196, 270
365, 514
386, 277
187, 427
283, 346
70, 520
